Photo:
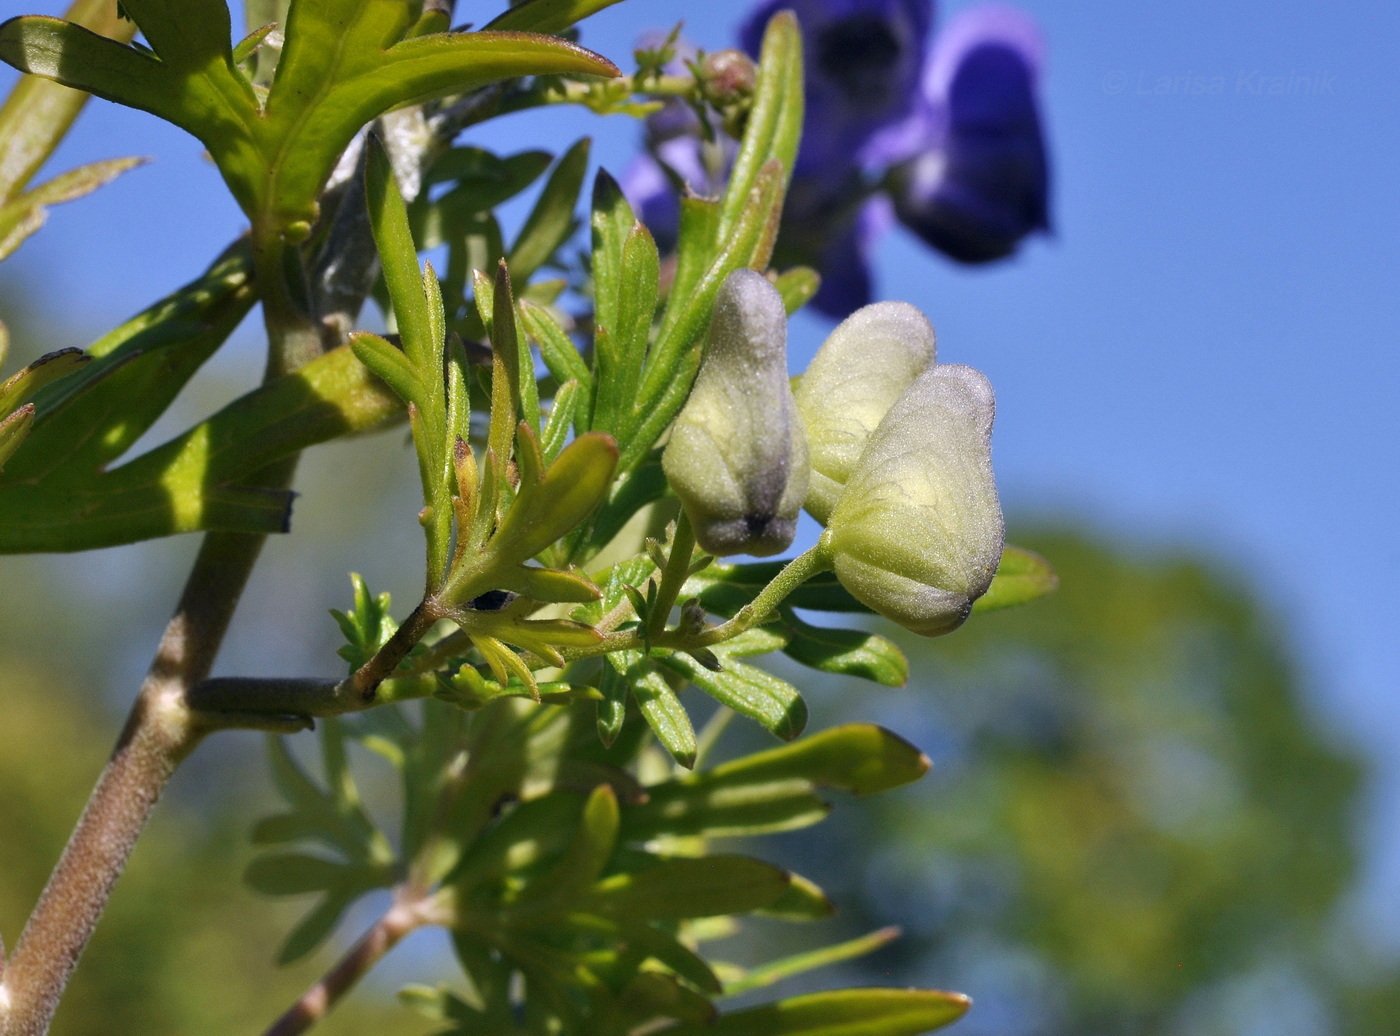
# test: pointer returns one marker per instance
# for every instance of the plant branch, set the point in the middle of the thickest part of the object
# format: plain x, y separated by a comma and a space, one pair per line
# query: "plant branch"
401, 919
160, 732
794, 574
674, 577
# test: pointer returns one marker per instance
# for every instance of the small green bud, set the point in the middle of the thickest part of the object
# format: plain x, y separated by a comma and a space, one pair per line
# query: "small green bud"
738, 454
918, 532
856, 376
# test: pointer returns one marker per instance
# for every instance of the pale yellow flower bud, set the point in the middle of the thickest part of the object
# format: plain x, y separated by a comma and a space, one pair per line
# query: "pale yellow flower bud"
856, 376
918, 531
738, 456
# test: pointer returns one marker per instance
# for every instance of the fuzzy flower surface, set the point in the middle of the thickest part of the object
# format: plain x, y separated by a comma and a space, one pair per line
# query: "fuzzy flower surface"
917, 533
737, 458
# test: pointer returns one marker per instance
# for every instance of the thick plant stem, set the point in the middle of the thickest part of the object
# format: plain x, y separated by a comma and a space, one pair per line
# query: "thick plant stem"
317, 1001
160, 732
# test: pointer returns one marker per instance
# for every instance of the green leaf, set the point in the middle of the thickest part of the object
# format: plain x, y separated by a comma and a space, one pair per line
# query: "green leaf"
291, 874
803, 901
721, 809
750, 691
25, 383
846, 1012
555, 435
388, 363
844, 652
344, 63
799, 963
775, 120
316, 927
797, 286
662, 710
652, 994
585, 855
629, 335
26, 213
37, 114
551, 221
560, 355
13, 429
90, 419
857, 757
546, 15
398, 258
687, 887
571, 488
675, 955
612, 710
1021, 577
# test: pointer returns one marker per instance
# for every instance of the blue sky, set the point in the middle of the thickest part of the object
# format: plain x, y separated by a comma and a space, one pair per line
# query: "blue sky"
1207, 351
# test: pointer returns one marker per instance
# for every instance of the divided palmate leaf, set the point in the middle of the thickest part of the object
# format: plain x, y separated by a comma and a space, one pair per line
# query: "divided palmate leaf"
344, 62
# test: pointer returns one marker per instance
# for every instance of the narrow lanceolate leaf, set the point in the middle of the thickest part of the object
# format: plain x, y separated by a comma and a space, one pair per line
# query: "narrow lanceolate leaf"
719, 808
774, 121
859, 758
659, 706
388, 364
561, 357
26, 213
399, 258
1022, 576
846, 1012
25, 383
13, 428
551, 221
546, 15
612, 710
845, 652
193, 482
37, 113
775, 790
749, 691
91, 416
681, 888
797, 964
803, 901
571, 488
797, 287
622, 341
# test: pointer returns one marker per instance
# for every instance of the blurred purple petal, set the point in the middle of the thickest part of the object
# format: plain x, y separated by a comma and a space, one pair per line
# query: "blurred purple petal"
977, 191
863, 60
650, 185
844, 265
653, 199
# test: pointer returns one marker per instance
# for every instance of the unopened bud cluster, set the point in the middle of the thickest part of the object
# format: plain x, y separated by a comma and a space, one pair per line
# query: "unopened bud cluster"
887, 448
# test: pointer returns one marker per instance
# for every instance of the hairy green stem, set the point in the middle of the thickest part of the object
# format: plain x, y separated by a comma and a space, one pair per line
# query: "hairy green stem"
793, 574
684, 87
674, 577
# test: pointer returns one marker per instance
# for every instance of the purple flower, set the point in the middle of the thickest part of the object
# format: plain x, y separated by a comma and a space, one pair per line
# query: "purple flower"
980, 182
863, 62
945, 140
